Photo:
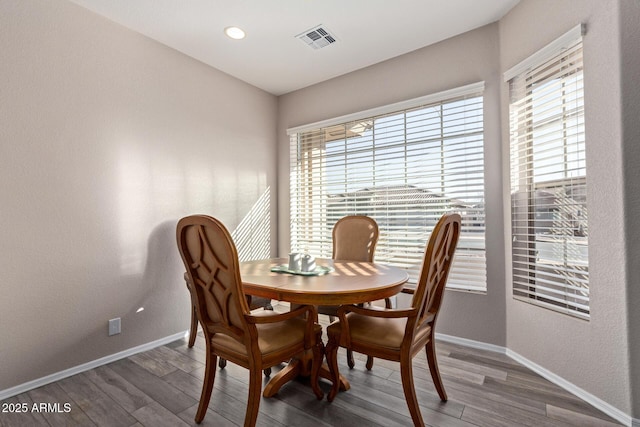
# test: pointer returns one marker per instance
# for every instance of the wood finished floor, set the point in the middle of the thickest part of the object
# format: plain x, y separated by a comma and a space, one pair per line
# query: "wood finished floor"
161, 387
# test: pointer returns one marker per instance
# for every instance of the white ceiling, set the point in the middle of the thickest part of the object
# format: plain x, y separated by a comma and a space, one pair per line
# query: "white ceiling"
272, 58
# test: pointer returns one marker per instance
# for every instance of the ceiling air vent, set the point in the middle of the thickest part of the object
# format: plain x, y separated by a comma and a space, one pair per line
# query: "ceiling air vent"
317, 37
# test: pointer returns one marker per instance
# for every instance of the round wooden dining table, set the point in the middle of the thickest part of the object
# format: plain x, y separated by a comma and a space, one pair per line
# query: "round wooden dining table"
346, 282
349, 282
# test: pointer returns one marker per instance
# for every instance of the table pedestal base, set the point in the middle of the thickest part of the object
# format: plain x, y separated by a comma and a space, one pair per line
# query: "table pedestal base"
300, 367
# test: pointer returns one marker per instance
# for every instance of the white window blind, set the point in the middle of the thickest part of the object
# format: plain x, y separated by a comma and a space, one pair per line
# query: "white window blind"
403, 168
548, 180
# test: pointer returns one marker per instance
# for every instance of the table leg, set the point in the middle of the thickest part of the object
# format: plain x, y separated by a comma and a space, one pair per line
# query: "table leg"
326, 373
300, 366
288, 373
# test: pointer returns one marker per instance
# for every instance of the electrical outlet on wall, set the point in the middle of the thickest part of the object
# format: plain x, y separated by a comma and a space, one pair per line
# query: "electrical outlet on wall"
114, 326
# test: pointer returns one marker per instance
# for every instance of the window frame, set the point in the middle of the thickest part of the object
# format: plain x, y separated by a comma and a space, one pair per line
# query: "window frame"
363, 119
543, 273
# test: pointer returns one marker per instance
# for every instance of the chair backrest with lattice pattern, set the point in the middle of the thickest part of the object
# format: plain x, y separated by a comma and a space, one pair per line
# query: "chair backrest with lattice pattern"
211, 261
437, 262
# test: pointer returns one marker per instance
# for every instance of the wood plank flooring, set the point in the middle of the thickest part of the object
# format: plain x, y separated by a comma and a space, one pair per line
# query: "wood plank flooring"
161, 387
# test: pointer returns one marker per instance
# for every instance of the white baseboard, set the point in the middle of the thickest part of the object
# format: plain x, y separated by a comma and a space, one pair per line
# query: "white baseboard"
471, 343
596, 402
30, 385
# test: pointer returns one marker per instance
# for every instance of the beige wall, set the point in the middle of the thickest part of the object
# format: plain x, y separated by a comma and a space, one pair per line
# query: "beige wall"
592, 355
469, 58
106, 139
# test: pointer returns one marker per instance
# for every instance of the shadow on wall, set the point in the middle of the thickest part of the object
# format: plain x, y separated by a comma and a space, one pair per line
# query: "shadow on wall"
160, 298
151, 305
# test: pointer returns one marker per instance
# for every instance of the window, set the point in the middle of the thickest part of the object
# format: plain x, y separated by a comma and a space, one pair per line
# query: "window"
403, 165
549, 226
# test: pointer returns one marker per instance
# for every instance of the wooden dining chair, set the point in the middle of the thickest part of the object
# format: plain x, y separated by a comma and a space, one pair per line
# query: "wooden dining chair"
253, 302
399, 334
254, 340
354, 238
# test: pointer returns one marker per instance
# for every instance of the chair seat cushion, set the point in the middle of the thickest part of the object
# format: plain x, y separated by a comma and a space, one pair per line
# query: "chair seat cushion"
272, 337
375, 331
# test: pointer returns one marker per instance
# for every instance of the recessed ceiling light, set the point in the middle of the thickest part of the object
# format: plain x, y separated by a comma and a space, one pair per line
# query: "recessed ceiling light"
234, 32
